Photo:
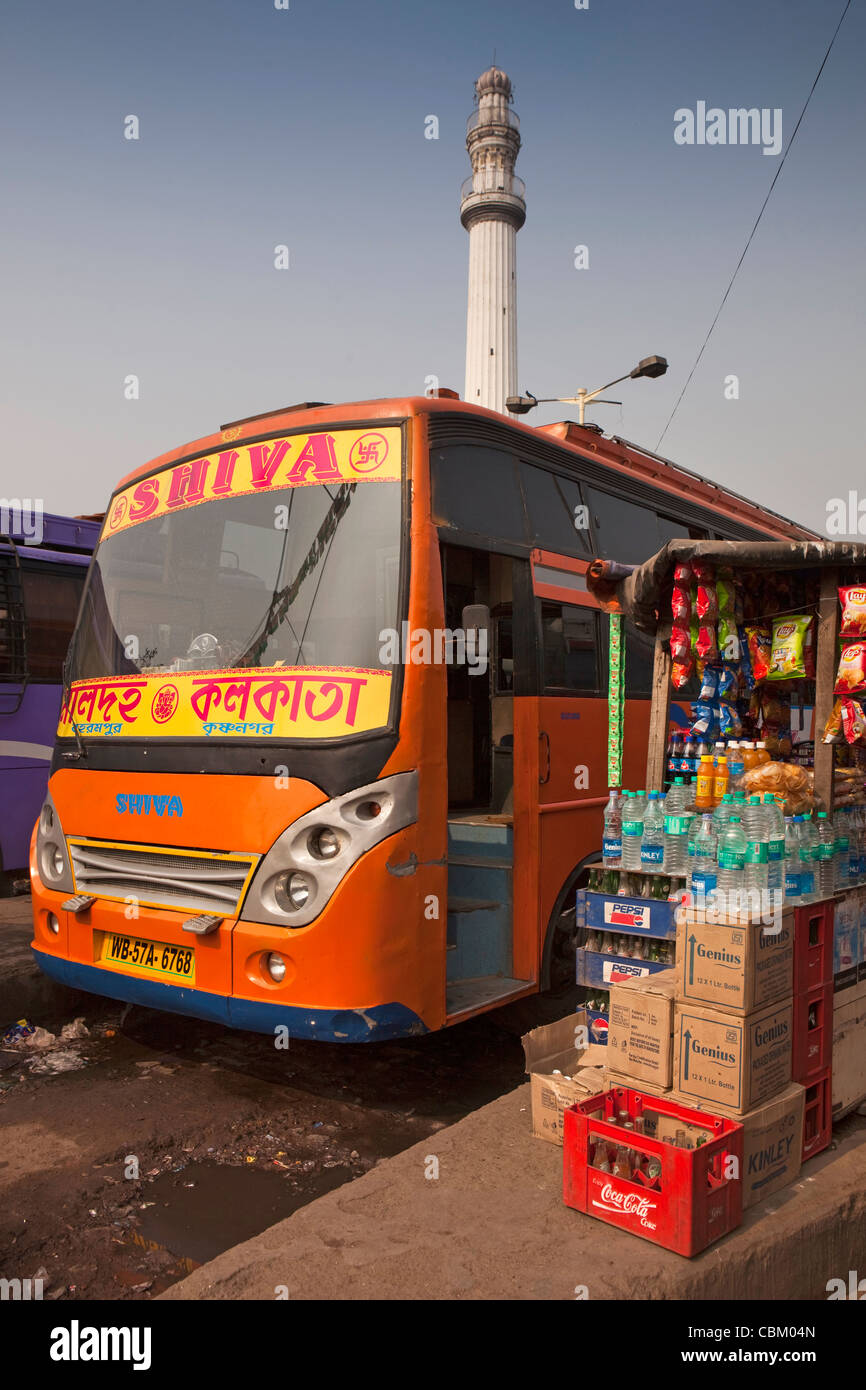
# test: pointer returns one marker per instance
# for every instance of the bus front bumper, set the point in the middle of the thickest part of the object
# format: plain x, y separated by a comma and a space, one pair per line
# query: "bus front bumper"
375, 1024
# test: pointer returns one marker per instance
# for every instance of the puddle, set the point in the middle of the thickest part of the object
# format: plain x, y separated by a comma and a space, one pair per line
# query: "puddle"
226, 1205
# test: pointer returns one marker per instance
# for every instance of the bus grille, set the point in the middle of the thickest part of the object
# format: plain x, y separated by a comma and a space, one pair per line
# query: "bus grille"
161, 878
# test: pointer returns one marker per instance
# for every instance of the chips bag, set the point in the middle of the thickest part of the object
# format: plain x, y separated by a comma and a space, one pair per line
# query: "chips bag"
729, 642
681, 643
758, 639
790, 652
707, 646
707, 605
704, 571
683, 574
682, 671
709, 683
833, 727
853, 721
851, 671
681, 604
853, 601
728, 685
745, 660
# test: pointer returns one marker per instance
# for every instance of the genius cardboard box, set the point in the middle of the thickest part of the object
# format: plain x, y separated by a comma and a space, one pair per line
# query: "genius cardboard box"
735, 966
730, 1059
640, 1029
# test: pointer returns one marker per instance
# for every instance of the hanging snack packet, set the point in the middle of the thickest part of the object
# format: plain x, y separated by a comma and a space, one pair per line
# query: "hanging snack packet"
833, 727
681, 604
788, 656
704, 717
758, 639
772, 710
682, 671
851, 671
853, 721
707, 604
745, 661
709, 683
704, 571
681, 643
729, 642
728, 685
683, 574
707, 646
853, 601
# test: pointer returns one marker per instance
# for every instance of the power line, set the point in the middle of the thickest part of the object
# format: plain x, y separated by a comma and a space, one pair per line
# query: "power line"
755, 227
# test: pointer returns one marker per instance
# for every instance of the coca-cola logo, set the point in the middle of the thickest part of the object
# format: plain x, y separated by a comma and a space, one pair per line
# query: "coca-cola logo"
626, 1204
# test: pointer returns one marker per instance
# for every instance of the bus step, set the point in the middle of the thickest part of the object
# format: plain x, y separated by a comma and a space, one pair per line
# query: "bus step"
480, 931
463, 995
480, 840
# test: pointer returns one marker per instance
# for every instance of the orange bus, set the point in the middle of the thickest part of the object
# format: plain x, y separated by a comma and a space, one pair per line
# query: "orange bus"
332, 751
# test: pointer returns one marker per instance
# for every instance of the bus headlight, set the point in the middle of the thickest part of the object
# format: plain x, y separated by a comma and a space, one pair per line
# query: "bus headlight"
323, 844
276, 967
302, 869
52, 859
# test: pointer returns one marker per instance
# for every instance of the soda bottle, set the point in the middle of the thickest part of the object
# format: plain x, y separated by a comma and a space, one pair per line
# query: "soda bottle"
775, 846
720, 780
652, 844
675, 754
611, 848
826, 869
762, 754
732, 865
704, 788
690, 750
750, 755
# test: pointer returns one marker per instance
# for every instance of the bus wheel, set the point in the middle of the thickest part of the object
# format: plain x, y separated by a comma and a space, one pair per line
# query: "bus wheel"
559, 961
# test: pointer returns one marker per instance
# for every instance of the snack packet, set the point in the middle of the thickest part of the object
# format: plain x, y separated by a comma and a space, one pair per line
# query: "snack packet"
681, 604
704, 571
853, 601
707, 605
707, 646
833, 727
745, 661
683, 574
851, 671
728, 685
729, 642
681, 643
853, 721
682, 670
704, 717
790, 653
758, 639
709, 683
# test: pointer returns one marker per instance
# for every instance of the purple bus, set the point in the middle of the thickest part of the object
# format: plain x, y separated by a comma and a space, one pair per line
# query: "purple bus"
40, 589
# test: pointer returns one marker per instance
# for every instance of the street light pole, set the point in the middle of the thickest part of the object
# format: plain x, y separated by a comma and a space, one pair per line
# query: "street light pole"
648, 366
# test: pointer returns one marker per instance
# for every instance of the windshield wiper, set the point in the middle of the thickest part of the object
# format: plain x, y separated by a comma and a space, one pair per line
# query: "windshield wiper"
82, 751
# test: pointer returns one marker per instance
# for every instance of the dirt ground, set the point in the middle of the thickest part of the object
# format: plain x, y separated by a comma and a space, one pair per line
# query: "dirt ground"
167, 1140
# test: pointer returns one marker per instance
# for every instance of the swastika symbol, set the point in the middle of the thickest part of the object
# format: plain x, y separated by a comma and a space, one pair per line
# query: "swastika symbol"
368, 453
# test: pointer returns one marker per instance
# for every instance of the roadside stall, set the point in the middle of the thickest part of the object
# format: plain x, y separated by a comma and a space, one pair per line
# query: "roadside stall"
722, 940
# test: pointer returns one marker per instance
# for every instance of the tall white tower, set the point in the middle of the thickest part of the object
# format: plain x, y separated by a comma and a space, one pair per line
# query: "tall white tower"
492, 209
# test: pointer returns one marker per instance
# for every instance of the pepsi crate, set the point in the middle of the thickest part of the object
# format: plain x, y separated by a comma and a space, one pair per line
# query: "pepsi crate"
599, 970
694, 1200
634, 916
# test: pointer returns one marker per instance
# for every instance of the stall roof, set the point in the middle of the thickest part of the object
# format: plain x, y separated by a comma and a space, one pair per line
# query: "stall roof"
637, 591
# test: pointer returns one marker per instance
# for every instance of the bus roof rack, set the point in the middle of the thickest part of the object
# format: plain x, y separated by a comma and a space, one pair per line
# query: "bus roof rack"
283, 410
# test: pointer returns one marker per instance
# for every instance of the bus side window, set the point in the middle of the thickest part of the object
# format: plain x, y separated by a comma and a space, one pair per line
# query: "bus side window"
570, 648
51, 604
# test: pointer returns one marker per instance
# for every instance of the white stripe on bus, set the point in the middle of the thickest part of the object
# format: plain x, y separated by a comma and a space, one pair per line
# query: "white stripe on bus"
9, 749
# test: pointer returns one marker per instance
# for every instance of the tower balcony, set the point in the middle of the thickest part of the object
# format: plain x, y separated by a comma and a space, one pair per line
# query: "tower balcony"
493, 181
485, 118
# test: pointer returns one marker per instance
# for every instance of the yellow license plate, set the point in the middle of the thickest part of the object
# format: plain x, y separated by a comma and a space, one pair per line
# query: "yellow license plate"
147, 957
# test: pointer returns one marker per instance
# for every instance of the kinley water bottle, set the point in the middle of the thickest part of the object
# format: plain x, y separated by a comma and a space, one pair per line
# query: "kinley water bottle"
732, 865
632, 831
826, 869
652, 845
703, 872
611, 846
841, 835
677, 822
793, 895
807, 863
775, 844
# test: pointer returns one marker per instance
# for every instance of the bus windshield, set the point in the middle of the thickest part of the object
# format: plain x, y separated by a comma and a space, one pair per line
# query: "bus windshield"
299, 576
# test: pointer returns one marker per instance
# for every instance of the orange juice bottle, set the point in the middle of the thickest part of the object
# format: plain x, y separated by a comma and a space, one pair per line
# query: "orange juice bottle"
704, 788
720, 781
750, 755
762, 752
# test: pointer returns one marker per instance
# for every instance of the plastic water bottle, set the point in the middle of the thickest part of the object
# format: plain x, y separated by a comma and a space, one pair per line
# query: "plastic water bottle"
856, 845
735, 763
653, 843
703, 874
723, 812
775, 844
755, 826
731, 873
676, 829
825, 868
632, 831
842, 836
807, 863
611, 845
793, 895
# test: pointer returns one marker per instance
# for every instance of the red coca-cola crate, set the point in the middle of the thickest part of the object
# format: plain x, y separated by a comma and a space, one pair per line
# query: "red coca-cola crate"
699, 1196
817, 1115
813, 945
813, 1033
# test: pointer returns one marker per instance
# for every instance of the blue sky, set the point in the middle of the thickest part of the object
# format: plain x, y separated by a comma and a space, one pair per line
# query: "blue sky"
306, 127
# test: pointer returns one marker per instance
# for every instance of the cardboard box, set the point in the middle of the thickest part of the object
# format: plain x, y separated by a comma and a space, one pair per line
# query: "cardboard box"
737, 1060
736, 967
849, 1053
772, 1141
847, 941
555, 1048
640, 1029
612, 1079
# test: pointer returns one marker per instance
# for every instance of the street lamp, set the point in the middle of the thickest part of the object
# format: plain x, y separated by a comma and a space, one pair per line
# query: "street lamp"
648, 366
